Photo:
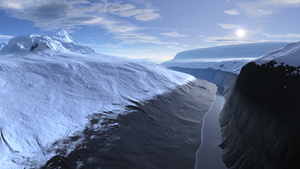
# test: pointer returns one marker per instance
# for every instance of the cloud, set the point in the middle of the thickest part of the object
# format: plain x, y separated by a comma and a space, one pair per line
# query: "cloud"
55, 10
232, 12
6, 37
52, 11
256, 9
132, 38
17, 4
230, 40
130, 13
72, 14
289, 35
147, 16
264, 11
263, 8
115, 8
228, 26
173, 34
282, 2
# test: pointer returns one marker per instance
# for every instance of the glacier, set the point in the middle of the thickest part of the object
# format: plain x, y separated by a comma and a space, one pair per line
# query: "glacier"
51, 85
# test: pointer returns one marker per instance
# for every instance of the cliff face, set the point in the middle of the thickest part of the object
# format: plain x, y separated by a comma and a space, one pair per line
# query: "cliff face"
260, 120
223, 80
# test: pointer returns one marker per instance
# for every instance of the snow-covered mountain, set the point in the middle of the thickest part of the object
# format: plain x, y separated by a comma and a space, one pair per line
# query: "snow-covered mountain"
229, 58
49, 92
250, 50
289, 55
69, 43
260, 121
59, 42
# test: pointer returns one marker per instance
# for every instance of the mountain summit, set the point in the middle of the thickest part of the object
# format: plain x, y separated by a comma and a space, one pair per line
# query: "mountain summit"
60, 42
69, 43
63, 36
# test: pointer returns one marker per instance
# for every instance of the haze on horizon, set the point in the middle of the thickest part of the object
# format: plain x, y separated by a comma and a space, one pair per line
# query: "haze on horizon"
155, 29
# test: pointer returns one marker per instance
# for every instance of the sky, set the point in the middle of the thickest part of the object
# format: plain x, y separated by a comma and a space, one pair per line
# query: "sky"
153, 29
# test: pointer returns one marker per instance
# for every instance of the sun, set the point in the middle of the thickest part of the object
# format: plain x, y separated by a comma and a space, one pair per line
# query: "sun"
240, 33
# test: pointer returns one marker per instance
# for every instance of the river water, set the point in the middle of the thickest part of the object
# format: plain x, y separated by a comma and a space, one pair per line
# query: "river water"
208, 155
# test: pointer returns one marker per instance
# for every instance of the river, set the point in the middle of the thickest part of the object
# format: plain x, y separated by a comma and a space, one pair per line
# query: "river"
209, 153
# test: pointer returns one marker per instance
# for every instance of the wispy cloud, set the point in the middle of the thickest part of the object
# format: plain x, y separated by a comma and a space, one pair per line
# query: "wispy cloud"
230, 40
132, 38
263, 8
289, 35
232, 12
228, 26
173, 34
147, 16
129, 10
256, 9
71, 14
282, 2
116, 7
6, 37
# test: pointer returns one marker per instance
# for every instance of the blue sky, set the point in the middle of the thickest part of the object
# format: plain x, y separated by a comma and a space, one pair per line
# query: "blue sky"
154, 29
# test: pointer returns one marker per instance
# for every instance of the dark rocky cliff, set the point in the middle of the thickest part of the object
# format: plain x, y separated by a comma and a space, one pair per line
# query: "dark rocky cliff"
260, 120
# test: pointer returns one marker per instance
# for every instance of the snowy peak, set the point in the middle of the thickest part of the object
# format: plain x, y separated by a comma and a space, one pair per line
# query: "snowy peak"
69, 43
32, 43
288, 55
62, 36
60, 42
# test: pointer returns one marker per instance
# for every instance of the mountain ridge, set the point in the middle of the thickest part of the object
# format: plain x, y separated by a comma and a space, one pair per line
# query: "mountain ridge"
60, 42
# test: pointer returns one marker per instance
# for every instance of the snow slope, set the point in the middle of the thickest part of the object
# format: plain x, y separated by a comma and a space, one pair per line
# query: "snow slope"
229, 58
289, 55
49, 93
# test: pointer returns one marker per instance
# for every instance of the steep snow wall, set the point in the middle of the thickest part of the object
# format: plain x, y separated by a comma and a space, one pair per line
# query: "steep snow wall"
224, 80
260, 121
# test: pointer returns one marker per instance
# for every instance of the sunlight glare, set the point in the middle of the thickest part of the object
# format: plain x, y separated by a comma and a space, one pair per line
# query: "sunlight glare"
240, 33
